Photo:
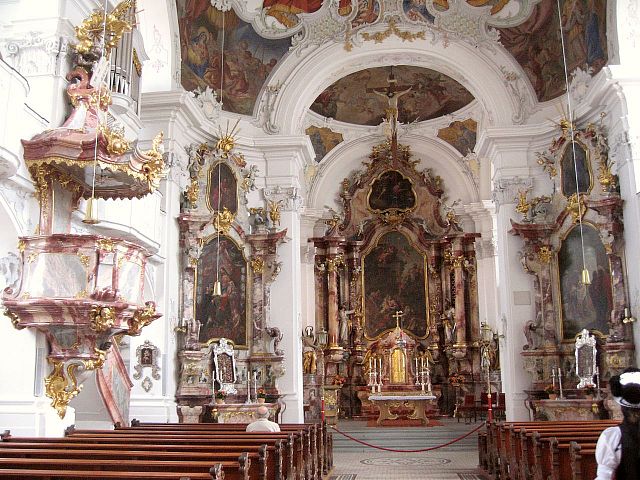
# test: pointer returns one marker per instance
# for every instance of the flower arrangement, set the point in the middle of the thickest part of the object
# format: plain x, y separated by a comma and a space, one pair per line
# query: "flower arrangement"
339, 380
550, 389
261, 393
221, 395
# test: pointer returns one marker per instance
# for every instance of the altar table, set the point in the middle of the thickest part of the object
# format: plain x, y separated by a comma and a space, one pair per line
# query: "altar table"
415, 403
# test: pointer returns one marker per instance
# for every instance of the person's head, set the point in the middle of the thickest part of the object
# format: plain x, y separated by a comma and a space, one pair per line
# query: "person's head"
262, 412
625, 389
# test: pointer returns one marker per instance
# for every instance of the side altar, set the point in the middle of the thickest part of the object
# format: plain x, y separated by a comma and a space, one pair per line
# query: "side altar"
228, 348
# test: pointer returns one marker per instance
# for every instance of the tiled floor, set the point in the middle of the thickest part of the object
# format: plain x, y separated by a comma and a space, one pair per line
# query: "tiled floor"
353, 461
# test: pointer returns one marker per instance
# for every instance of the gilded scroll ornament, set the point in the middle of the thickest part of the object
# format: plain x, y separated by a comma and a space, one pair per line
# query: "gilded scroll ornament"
335, 262
523, 205
575, 207
114, 25
192, 193
102, 318
96, 363
141, 318
257, 265
84, 259
222, 220
392, 29
15, 320
154, 168
225, 144
544, 254
274, 211
21, 245
106, 244
61, 389
116, 143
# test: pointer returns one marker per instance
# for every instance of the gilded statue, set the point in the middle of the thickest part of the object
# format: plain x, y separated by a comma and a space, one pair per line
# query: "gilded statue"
309, 352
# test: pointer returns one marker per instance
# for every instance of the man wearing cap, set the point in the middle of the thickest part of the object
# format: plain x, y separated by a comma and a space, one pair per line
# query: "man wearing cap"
618, 448
263, 424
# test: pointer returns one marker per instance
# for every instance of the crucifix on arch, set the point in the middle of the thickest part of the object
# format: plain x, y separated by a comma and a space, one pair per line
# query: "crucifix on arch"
392, 92
398, 315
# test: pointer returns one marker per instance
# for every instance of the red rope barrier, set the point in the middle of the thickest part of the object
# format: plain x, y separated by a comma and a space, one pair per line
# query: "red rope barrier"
408, 451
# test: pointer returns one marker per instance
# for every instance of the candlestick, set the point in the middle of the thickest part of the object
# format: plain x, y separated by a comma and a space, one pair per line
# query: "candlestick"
560, 382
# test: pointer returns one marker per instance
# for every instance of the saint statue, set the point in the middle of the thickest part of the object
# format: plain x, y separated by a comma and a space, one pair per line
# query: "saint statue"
309, 355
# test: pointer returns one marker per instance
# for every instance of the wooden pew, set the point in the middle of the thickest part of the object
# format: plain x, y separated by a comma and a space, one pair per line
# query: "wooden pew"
541, 450
164, 461
238, 470
298, 451
318, 432
265, 466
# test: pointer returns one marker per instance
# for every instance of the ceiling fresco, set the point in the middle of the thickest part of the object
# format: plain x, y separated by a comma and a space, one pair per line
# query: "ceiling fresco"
537, 47
248, 58
254, 45
352, 98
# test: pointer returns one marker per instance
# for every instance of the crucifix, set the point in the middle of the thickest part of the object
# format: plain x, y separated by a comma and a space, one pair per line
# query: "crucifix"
398, 315
391, 93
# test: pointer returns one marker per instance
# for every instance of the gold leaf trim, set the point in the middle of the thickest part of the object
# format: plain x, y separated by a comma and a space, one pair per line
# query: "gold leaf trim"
61, 389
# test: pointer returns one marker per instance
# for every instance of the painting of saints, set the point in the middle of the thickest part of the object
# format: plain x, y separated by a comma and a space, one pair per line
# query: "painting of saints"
568, 170
391, 190
223, 315
222, 189
584, 306
536, 43
394, 279
248, 58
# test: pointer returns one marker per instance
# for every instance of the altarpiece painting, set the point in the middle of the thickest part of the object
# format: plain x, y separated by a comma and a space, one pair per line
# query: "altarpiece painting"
225, 315
575, 173
394, 279
222, 188
584, 306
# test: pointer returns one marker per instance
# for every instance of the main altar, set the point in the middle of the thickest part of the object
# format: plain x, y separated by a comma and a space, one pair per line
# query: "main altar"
396, 293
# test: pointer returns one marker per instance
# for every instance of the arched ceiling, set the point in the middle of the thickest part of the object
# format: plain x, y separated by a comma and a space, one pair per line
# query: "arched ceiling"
360, 97
260, 34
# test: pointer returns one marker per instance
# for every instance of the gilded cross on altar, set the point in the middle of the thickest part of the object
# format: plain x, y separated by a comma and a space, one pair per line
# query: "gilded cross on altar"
398, 315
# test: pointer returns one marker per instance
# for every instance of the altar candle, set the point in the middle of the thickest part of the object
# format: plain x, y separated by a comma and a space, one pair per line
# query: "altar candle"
560, 381
427, 363
369, 363
416, 365
421, 363
380, 365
